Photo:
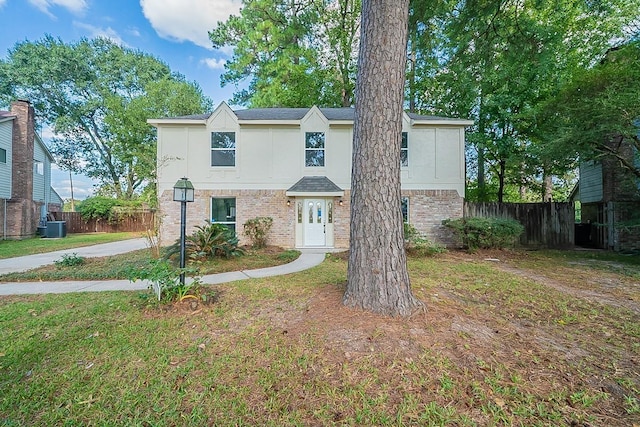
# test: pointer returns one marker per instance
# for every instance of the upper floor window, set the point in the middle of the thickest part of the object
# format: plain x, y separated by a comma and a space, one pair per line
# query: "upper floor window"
314, 149
38, 167
404, 150
3, 155
223, 149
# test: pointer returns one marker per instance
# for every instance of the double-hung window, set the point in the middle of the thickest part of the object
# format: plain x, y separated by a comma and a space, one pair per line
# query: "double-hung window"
404, 150
314, 149
223, 149
3, 155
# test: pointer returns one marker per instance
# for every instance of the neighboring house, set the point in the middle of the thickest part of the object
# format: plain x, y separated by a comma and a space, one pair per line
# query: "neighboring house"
26, 196
294, 165
609, 196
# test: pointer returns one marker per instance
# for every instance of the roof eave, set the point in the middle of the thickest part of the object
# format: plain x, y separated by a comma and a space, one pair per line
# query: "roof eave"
315, 194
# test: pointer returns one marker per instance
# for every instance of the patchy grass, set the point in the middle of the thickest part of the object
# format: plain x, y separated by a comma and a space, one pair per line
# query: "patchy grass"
38, 245
116, 266
501, 343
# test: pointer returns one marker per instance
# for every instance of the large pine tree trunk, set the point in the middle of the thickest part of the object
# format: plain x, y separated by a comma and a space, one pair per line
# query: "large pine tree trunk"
377, 276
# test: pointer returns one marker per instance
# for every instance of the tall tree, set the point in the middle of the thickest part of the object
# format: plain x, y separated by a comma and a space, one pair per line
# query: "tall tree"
499, 59
377, 277
294, 53
97, 97
597, 114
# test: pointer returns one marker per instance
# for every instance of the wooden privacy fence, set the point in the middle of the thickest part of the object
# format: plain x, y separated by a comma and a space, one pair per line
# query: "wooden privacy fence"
138, 221
547, 225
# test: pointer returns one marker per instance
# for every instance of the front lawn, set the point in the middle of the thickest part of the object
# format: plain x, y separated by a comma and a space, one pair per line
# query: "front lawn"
38, 245
506, 339
116, 266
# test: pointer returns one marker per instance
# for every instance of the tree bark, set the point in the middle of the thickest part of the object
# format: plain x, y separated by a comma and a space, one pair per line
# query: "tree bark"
378, 279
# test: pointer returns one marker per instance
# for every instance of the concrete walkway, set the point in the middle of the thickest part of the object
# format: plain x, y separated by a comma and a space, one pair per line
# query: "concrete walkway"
308, 259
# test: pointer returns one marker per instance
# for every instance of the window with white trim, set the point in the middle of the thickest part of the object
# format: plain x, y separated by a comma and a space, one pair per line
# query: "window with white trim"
314, 149
223, 148
38, 167
404, 150
223, 211
405, 209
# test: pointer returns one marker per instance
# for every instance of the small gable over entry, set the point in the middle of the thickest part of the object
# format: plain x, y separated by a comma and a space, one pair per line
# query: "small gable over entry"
313, 198
319, 186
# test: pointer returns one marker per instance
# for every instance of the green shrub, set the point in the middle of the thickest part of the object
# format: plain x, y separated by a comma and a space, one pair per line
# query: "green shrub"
107, 208
97, 207
257, 229
415, 243
165, 280
208, 241
69, 260
485, 233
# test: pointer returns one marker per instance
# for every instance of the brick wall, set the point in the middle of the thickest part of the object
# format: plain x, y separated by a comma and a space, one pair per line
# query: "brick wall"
427, 209
249, 204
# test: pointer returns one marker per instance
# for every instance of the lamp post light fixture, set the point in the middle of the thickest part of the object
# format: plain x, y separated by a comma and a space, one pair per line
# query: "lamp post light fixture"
183, 192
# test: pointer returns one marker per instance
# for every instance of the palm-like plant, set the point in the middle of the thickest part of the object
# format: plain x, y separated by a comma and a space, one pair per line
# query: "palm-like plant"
208, 241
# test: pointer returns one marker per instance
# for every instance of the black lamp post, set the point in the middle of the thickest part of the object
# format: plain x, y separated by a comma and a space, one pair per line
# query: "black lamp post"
183, 192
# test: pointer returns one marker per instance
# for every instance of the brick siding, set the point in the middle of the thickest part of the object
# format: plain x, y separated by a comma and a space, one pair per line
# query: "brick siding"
427, 209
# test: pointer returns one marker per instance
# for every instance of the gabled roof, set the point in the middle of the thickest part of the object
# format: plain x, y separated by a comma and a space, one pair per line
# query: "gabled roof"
315, 185
292, 115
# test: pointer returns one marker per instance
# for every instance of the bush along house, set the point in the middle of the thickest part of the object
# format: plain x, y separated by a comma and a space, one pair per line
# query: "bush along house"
294, 165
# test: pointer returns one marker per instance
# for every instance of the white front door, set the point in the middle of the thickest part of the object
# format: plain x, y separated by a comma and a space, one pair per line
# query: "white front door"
314, 218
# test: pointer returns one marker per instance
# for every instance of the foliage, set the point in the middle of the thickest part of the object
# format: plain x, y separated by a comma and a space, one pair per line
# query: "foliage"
97, 207
208, 241
485, 233
597, 114
495, 62
257, 230
165, 279
97, 96
417, 244
107, 208
69, 260
296, 54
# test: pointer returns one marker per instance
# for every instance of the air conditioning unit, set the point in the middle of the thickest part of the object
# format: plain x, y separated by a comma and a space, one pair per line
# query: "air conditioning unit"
56, 229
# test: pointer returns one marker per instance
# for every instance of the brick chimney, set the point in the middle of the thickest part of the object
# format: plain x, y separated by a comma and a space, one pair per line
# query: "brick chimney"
23, 213
23, 140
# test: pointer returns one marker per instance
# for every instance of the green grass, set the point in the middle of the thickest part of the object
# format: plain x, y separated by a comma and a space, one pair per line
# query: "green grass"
489, 350
116, 266
37, 245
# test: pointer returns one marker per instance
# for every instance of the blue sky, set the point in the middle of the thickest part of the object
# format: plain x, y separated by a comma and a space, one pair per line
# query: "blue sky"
174, 31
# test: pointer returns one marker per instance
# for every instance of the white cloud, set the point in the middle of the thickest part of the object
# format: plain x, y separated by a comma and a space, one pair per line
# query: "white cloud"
2, 2
188, 20
95, 32
77, 7
213, 63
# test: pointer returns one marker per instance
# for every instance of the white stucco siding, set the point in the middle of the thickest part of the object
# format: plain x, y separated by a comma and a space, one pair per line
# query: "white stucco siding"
6, 131
338, 156
270, 155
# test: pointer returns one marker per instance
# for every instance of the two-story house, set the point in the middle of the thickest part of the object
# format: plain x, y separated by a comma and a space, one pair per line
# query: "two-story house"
26, 195
294, 165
